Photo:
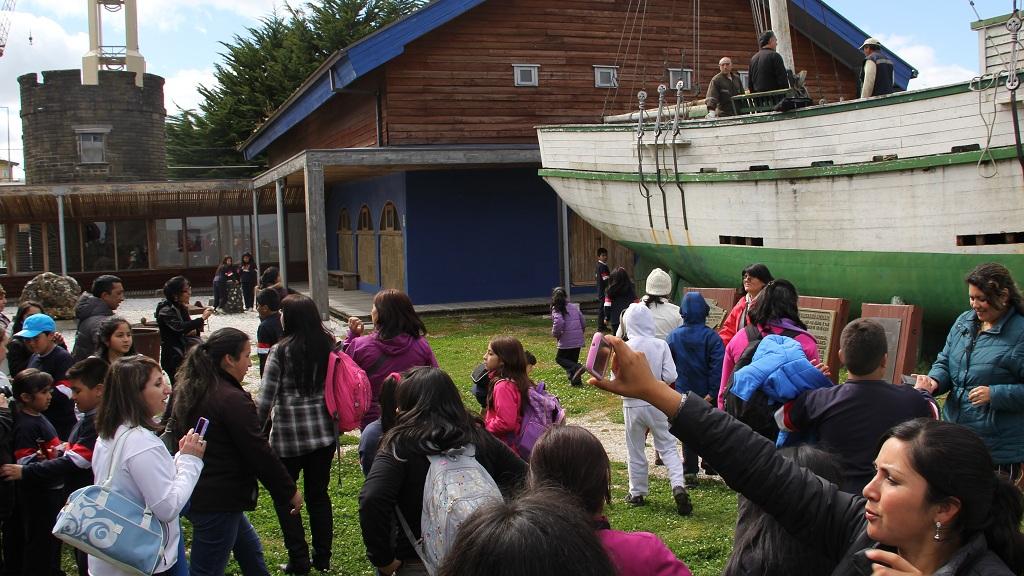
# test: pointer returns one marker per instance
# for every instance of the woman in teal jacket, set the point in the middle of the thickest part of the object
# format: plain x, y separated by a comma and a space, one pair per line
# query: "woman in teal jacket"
982, 367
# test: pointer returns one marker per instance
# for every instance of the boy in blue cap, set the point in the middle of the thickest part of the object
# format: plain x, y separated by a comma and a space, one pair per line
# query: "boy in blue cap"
39, 333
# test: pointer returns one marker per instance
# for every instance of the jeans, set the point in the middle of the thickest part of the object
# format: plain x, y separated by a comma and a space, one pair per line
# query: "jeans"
316, 475
569, 360
215, 535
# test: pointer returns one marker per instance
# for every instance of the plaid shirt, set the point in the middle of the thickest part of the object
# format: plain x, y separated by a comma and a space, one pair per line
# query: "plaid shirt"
301, 423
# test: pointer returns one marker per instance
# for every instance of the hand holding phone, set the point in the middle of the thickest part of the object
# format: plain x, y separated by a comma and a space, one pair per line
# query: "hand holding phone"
201, 426
599, 357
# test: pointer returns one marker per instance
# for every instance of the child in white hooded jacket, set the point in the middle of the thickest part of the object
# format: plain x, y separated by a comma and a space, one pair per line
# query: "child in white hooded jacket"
641, 416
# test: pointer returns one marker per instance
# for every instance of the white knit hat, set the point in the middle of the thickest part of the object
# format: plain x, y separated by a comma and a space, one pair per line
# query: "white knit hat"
659, 283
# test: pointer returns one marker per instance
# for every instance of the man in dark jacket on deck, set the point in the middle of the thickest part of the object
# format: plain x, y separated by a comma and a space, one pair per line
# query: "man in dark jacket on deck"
106, 295
767, 69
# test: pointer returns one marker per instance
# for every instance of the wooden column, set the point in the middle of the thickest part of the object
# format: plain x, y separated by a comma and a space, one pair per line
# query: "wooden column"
780, 25
282, 253
316, 236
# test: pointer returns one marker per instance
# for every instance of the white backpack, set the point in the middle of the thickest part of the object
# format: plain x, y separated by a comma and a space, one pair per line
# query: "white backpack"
456, 485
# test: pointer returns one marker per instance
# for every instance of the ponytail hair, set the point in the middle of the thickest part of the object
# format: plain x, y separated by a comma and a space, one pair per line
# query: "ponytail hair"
956, 464
200, 372
29, 381
559, 300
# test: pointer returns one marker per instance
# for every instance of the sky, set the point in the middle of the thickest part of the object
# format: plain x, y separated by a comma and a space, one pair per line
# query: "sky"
181, 41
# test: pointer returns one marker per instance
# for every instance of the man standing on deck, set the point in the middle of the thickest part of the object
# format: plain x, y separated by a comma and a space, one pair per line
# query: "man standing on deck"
722, 88
876, 76
767, 69
601, 274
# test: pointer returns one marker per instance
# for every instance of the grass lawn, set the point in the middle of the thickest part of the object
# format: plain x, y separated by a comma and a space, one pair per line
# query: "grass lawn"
703, 540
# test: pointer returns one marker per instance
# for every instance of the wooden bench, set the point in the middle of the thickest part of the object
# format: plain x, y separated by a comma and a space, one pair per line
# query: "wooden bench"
344, 280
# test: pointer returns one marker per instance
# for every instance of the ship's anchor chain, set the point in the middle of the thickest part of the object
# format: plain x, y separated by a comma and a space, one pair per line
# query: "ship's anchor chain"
642, 97
662, 89
1013, 25
680, 110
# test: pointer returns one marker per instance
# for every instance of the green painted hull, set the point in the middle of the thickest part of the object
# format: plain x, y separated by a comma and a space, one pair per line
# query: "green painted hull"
934, 281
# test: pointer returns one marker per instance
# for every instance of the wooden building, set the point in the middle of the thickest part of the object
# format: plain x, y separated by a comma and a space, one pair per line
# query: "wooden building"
417, 150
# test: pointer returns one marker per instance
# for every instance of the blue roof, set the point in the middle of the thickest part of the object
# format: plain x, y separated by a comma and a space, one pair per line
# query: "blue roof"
349, 64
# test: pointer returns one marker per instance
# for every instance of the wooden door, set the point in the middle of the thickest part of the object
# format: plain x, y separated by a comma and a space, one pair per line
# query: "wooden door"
392, 249
346, 244
366, 242
584, 240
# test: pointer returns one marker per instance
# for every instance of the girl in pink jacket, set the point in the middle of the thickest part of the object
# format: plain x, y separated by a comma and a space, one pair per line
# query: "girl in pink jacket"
505, 361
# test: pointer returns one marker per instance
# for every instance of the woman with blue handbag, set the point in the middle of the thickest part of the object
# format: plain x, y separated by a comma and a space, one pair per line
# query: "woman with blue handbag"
131, 454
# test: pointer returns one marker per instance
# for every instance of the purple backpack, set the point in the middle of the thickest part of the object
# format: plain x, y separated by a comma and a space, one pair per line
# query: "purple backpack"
542, 412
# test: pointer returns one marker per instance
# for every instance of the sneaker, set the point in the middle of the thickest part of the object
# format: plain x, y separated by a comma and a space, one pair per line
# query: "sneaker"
691, 479
637, 500
682, 498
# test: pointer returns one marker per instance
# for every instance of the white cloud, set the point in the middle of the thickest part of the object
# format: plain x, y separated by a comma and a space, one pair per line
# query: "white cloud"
52, 48
181, 89
931, 72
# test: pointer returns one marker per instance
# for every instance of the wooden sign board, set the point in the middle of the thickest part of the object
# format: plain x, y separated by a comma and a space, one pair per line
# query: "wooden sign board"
908, 337
721, 301
825, 319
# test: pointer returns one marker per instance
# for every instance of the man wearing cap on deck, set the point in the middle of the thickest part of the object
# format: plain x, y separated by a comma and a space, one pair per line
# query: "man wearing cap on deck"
767, 69
722, 88
876, 76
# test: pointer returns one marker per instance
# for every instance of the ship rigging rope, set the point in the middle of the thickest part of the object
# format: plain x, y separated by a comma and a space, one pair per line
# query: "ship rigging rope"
757, 7
618, 54
981, 84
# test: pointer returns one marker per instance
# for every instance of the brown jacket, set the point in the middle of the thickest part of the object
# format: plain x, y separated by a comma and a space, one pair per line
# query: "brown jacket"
720, 92
237, 453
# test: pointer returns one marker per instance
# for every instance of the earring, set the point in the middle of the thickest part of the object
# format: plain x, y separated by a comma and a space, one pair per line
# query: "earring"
938, 531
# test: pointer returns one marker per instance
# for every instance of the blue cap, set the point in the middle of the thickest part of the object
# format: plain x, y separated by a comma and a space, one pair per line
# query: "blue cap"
35, 325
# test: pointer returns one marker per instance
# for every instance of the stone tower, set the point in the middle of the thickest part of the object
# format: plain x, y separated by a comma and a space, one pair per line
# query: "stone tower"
112, 131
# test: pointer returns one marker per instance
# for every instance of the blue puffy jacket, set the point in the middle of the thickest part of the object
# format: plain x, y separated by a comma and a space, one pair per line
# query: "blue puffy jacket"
996, 360
696, 349
781, 370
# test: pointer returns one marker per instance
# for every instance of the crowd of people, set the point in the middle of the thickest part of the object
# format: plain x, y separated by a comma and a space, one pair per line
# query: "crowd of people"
864, 477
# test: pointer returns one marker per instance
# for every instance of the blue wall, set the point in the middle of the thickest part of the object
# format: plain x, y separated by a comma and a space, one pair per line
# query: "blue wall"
480, 235
375, 193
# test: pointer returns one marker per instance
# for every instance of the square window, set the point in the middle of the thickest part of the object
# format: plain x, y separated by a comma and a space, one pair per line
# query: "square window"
684, 74
606, 76
90, 148
526, 74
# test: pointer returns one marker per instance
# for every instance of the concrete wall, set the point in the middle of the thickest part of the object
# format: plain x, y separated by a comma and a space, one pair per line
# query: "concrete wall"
51, 111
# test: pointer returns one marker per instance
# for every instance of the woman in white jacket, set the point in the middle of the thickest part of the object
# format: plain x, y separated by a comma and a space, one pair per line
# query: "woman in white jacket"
135, 392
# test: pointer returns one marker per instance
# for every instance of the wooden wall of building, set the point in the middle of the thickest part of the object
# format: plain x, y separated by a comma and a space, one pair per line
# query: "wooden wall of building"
347, 120
455, 85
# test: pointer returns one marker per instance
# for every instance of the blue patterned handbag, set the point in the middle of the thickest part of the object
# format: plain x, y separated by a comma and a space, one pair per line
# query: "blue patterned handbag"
105, 524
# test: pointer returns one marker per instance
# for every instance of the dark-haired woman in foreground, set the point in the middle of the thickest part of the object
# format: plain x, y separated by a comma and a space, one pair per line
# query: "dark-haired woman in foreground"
431, 420
398, 342
935, 506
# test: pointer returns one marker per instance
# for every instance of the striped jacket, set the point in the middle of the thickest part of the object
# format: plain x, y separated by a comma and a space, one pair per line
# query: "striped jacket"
300, 422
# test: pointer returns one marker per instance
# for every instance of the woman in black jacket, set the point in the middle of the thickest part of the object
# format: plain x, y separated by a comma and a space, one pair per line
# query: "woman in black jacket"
176, 325
431, 420
935, 505
237, 454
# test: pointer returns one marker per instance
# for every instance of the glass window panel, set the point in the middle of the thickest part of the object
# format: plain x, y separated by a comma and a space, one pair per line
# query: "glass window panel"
170, 244
3, 249
132, 245
98, 246
268, 238
204, 247
53, 248
236, 231
73, 246
297, 237
29, 251
90, 148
